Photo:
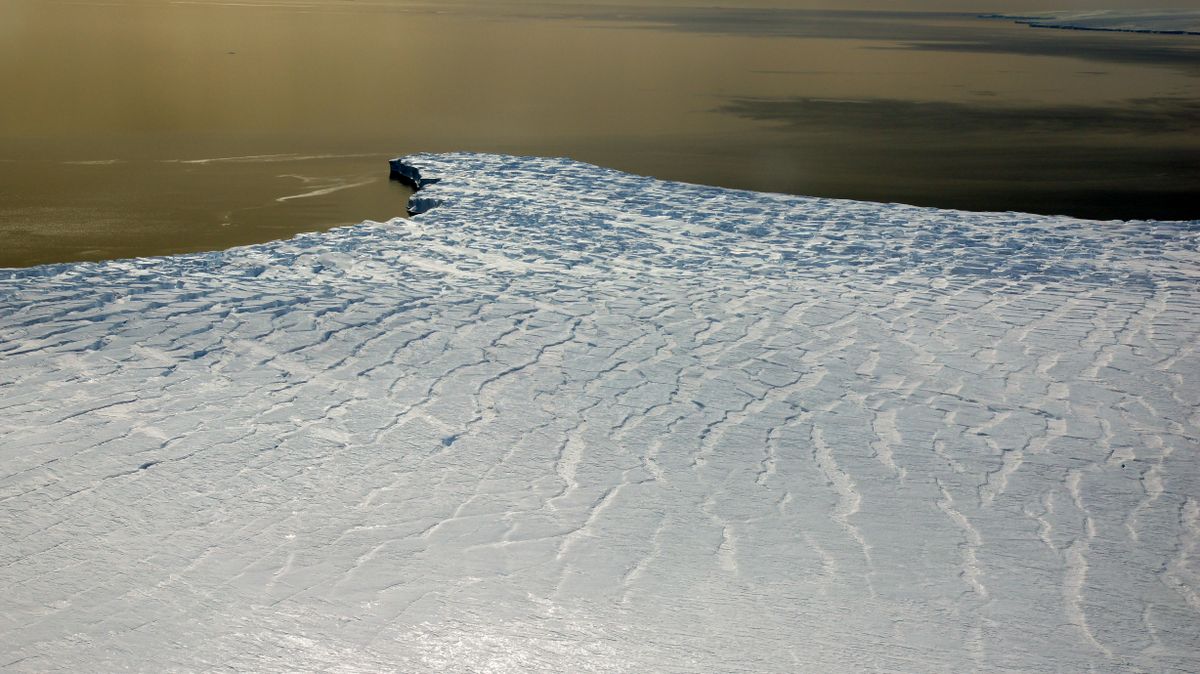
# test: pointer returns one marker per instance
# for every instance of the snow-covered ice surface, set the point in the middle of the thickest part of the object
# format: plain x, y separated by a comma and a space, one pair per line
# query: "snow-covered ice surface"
1185, 22
572, 420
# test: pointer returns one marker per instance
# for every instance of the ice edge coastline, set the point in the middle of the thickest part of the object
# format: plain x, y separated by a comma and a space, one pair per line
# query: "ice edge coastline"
408, 174
1073, 22
405, 170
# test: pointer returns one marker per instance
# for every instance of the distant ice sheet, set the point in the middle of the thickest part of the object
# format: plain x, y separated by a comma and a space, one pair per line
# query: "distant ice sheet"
575, 420
1136, 21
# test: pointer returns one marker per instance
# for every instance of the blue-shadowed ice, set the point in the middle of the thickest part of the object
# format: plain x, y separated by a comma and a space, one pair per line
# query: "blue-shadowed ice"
570, 419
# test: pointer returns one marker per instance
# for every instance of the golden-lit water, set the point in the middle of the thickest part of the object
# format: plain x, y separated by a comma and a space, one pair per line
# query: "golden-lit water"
143, 127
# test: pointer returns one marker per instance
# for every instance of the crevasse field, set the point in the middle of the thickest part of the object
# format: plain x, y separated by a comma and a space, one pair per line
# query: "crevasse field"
569, 419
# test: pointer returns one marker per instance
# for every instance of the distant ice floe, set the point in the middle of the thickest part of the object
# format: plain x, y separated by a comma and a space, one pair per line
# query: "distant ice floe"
335, 186
94, 162
1181, 22
570, 419
267, 158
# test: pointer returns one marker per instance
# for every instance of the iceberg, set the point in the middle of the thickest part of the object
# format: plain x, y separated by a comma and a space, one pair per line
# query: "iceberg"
571, 419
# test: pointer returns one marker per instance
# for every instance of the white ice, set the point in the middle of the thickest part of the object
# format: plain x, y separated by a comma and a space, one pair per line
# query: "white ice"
571, 420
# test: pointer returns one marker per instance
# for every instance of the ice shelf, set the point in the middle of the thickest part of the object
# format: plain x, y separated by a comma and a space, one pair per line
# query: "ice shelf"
569, 419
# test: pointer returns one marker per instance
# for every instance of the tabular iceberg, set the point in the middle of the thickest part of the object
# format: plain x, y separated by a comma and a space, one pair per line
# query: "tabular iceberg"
571, 419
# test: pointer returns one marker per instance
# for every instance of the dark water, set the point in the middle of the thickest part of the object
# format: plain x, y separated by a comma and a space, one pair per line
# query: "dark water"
138, 127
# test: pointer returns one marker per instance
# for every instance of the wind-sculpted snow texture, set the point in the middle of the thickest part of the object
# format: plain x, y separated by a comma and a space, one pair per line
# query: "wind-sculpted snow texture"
576, 420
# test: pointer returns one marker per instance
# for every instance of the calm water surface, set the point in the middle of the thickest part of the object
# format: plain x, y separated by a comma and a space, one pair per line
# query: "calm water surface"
141, 127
